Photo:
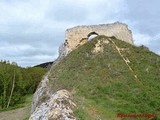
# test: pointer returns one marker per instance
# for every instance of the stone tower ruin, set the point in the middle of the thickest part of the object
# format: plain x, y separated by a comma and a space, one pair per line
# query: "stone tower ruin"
79, 35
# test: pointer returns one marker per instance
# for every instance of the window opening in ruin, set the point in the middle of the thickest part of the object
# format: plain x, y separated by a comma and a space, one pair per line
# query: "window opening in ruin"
92, 35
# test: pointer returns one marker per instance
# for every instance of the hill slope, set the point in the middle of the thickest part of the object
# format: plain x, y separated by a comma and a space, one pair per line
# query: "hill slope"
108, 76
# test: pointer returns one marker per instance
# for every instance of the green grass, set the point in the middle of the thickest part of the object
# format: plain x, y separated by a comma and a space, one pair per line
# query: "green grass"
27, 103
27, 118
105, 82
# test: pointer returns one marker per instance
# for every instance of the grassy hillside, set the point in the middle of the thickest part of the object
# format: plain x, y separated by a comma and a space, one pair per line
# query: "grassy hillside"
104, 84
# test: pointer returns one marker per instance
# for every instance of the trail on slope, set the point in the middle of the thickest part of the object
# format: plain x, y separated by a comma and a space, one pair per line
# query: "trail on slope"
18, 114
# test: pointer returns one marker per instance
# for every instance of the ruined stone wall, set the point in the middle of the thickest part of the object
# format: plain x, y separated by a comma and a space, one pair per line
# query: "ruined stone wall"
77, 36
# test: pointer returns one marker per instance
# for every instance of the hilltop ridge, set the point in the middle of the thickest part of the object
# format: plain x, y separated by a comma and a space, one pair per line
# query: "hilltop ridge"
104, 77
79, 35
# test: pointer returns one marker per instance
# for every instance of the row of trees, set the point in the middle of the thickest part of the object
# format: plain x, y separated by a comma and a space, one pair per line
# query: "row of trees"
16, 82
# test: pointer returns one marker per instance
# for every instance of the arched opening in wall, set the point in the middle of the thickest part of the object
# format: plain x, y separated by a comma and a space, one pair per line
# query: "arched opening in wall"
92, 35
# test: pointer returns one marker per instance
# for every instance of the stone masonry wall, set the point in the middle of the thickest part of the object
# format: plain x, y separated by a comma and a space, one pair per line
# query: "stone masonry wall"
79, 35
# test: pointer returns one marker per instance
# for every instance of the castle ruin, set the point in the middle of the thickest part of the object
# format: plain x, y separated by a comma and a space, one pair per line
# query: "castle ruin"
79, 35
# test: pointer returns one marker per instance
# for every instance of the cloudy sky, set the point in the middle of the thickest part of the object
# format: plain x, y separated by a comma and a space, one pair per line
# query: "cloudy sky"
32, 30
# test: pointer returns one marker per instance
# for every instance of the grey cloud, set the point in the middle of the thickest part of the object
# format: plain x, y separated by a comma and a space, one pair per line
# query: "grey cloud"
21, 50
68, 13
31, 31
145, 14
34, 39
26, 55
31, 61
154, 45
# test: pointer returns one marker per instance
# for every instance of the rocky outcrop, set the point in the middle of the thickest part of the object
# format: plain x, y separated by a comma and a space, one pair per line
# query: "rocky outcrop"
99, 46
63, 50
42, 93
58, 107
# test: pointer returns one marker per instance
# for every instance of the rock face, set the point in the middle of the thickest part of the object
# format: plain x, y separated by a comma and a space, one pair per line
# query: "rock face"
58, 107
42, 91
79, 35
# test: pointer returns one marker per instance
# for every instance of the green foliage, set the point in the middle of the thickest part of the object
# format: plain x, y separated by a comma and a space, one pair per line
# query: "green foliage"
26, 118
27, 99
107, 81
81, 114
22, 81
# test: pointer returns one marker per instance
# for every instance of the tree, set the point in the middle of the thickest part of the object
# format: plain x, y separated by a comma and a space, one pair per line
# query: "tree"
13, 85
4, 77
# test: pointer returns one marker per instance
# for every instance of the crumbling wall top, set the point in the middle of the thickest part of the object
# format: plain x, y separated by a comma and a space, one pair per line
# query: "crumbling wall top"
75, 36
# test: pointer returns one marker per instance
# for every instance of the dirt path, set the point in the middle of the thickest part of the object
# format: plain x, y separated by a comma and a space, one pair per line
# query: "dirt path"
18, 114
